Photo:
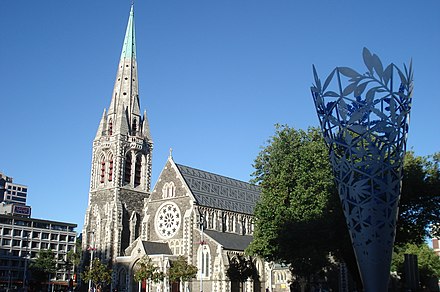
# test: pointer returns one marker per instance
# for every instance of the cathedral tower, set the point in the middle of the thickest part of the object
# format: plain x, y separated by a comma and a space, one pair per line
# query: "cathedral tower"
121, 163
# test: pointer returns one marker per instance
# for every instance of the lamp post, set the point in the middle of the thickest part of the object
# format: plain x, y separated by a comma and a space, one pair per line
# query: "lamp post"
91, 249
202, 243
26, 263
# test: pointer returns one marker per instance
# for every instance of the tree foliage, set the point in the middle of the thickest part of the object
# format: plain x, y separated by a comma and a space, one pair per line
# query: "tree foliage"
295, 215
428, 261
99, 274
43, 266
180, 270
73, 258
74, 255
419, 207
241, 268
147, 270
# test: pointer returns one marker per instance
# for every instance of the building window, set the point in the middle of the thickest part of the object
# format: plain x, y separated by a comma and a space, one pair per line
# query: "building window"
176, 246
204, 260
232, 223
110, 170
110, 127
168, 190
134, 126
137, 171
127, 172
243, 226
102, 169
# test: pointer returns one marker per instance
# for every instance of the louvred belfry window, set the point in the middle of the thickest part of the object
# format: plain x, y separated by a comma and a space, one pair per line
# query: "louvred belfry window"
110, 127
137, 175
102, 170
110, 170
134, 126
127, 172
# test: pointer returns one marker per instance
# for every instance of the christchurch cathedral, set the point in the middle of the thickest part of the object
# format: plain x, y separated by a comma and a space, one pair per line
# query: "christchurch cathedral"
205, 217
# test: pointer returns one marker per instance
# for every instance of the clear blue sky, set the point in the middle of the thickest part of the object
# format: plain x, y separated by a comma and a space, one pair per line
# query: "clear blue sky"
215, 76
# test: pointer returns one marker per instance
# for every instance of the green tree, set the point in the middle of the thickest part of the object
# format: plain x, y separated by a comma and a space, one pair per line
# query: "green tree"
299, 208
99, 274
240, 269
181, 271
42, 267
428, 261
73, 259
74, 255
147, 270
419, 208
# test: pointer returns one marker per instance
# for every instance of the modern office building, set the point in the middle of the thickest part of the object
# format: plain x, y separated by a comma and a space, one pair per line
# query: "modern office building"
22, 238
11, 192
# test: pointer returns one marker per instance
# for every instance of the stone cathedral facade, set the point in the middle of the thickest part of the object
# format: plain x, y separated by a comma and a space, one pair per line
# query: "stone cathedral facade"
207, 218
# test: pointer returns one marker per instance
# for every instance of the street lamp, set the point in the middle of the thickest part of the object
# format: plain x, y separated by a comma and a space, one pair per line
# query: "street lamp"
202, 243
91, 248
26, 263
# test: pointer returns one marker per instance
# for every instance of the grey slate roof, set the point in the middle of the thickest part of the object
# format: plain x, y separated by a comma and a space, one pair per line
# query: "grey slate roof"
230, 241
217, 191
152, 248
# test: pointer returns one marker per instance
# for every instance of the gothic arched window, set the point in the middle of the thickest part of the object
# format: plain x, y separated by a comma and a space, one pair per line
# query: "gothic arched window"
168, 190
243, 226
127, 170
204, 258
102, 170
137, 171
110, 169
134, 126
110, 127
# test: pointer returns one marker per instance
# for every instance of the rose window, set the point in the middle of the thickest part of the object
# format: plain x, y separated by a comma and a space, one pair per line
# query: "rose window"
167, 220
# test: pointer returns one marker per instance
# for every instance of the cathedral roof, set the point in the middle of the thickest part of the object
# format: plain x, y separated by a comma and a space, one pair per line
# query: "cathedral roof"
152, 248
220, 192
230, 241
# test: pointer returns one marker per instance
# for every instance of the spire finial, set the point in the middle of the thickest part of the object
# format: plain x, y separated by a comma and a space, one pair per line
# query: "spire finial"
171, 152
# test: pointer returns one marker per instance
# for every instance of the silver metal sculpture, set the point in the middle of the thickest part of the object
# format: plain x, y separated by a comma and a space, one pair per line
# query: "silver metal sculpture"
365, 125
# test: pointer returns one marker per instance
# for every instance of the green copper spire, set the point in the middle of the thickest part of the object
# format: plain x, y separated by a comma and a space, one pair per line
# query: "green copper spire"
129, 47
